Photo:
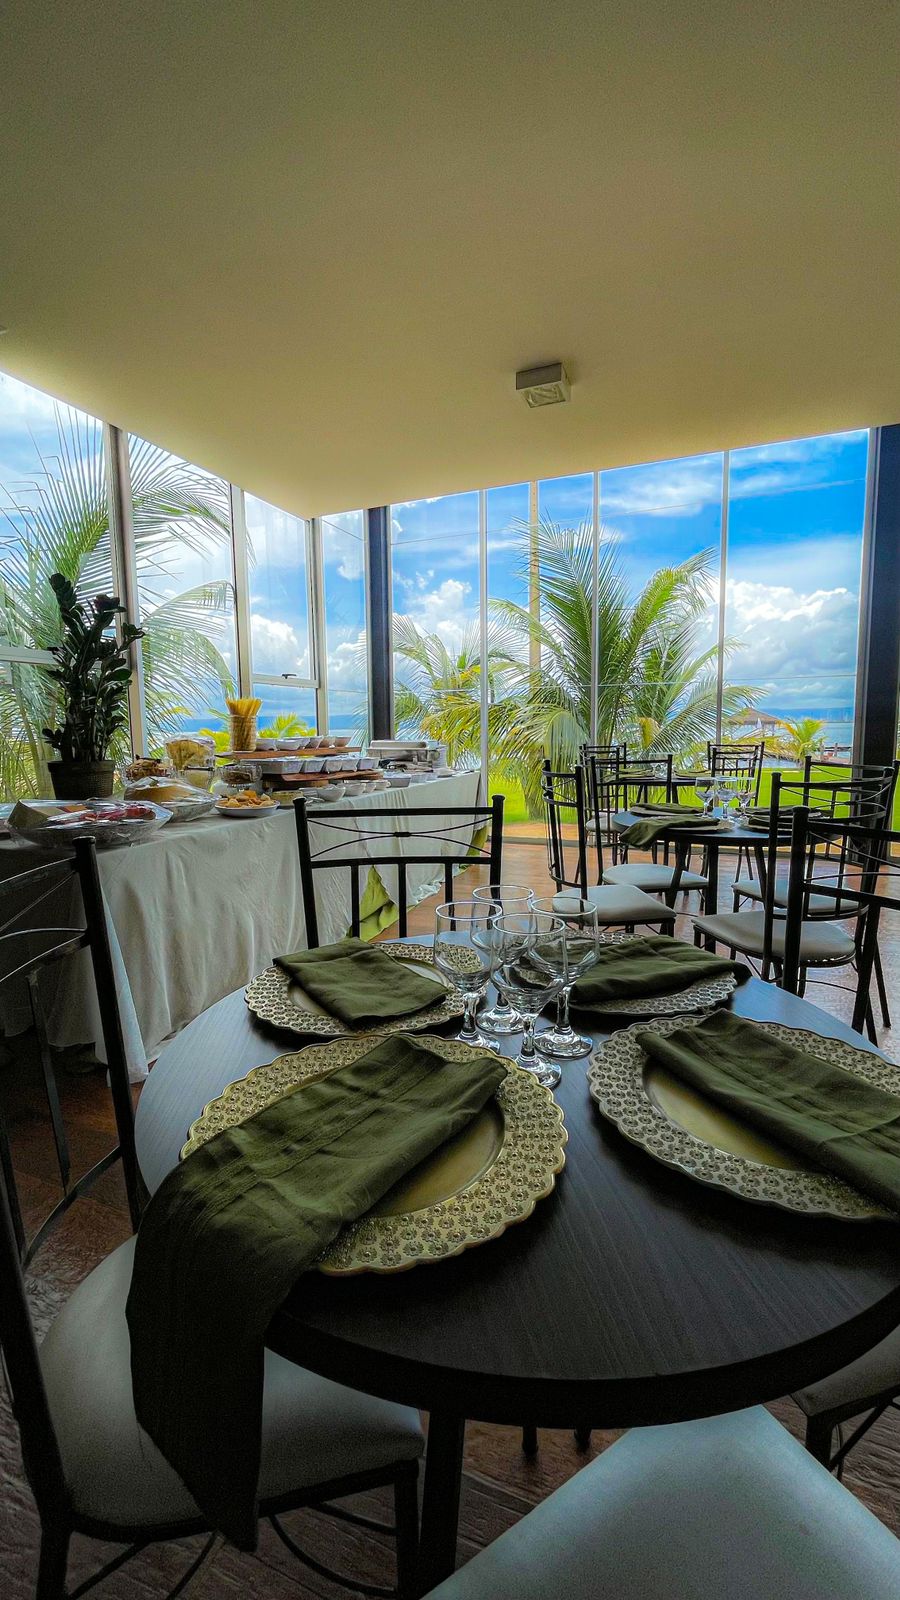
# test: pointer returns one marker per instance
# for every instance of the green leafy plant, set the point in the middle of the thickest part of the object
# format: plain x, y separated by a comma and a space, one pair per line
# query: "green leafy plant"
59, 522
93, 672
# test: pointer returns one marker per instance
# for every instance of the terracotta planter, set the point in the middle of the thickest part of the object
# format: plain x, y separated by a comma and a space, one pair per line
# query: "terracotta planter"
82, 780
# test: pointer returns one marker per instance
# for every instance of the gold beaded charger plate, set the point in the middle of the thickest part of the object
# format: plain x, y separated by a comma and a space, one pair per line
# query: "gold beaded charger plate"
697, 996
679, 1127
274, 998
472, 1189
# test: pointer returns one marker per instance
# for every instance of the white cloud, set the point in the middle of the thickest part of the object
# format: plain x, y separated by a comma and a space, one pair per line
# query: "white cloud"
804, 638
446, 611
277, 647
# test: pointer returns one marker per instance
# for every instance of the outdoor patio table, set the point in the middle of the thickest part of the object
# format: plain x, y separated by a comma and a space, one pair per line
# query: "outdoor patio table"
632, 1295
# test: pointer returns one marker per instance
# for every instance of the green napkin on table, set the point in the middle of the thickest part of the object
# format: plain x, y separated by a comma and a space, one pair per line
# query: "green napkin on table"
360, 984
656, 818
834, 1119
654, 965
230, 1230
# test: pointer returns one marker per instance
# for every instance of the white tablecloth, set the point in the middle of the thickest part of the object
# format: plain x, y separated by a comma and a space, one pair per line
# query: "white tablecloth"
202, 907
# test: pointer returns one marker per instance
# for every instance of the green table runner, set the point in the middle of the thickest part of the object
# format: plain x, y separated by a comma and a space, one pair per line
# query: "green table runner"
231, 1229
655, 965
360, 984
836, 1120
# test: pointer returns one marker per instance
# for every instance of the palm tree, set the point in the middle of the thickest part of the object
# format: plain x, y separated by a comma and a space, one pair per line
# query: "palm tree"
805, 737
60, 523
437, 694
653, 688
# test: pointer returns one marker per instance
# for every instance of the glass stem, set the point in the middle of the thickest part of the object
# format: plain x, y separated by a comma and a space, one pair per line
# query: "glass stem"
528, 1037
470, 1003
563, 1024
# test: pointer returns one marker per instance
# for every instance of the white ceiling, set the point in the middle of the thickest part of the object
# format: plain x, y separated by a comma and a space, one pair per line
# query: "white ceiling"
308, 244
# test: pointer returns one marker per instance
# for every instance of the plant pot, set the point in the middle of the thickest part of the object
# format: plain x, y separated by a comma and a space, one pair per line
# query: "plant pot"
82, 780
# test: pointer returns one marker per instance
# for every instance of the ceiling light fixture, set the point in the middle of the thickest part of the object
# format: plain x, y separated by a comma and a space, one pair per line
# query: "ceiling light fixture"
543, 386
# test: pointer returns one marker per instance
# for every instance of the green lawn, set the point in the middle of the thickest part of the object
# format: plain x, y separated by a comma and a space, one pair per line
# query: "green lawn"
516, 810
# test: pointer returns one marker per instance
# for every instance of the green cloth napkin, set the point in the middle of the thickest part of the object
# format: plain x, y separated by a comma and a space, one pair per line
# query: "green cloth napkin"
836, 1120
360, 984
655, 965
656, 818
230, 1230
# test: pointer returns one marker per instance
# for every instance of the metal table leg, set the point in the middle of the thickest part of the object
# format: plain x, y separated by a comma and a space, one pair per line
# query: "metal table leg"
440, 1500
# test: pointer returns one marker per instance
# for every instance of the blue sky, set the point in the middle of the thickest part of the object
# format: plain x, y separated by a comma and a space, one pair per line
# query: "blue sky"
794, 546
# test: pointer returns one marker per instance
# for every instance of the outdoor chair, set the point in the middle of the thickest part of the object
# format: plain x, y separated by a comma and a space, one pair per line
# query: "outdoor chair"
451, 837
618, 904
730, 1508
91, 1467
653, 877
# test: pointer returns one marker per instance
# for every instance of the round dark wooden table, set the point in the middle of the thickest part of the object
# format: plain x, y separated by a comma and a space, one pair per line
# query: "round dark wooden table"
712, 840
632, 1295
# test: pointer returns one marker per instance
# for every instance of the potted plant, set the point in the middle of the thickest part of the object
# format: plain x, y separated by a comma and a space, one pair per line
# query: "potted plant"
93, 672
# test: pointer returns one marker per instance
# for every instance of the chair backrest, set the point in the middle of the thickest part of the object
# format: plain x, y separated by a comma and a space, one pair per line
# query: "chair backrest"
737, 761
861, 803
27, 950
819, 847
363, 841
611, 788
563, 796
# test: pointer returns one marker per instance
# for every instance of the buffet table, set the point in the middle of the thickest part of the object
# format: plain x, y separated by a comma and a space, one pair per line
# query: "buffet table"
202, 907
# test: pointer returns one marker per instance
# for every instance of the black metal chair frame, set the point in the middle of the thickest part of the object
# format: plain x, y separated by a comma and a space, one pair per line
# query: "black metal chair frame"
609, 794
465, 854
866, 852
37, 885
738, 761
565, 792
21, 1360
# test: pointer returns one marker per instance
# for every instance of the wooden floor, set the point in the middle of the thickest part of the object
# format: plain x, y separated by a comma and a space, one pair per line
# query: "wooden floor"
500, 1484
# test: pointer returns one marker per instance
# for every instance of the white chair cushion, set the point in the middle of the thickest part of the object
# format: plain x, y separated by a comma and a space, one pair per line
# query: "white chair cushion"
313, 1430
618, 905
731, 1508
652, 876
819, 905
820, 942
855, 1387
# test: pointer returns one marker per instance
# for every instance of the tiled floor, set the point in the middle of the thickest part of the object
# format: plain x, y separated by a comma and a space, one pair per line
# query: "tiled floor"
500, 1484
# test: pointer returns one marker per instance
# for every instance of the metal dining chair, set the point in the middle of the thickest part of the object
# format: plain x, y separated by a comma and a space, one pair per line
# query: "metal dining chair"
730, 1508
619, 905
27, 955
743, 763
453, 837
870, 1385
824, 942
825, 795
91, 1468
654, 876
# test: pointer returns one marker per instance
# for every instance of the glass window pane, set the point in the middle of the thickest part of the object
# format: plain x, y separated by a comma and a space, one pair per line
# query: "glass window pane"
795, 528
508, 651
279, 591
661, 530
436, 636
53, 517
344, 575
285, 710
182, 539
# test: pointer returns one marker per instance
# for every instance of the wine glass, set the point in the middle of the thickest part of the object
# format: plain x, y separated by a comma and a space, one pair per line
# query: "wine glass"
727, 790
706, 789
464, 953
530, 958
582, 941
744, 788
505, 897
